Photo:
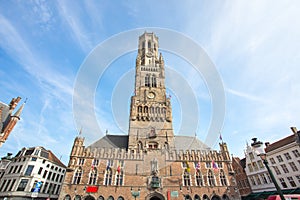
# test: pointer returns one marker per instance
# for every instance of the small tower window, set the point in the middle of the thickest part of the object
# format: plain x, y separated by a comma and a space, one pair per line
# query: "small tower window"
149, 44
143, 45
153, 81
140, 109
147, 81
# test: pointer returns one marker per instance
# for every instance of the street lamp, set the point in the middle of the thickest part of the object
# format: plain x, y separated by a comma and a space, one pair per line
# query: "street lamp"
260, 151
134, 193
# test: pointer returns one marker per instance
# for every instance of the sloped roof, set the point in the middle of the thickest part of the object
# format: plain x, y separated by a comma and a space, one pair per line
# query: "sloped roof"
189, 143
280, 143
111, 141
121, 141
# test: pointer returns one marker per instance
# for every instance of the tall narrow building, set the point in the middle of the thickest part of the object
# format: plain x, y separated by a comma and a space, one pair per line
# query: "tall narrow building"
8, 119
151, 162
150, 123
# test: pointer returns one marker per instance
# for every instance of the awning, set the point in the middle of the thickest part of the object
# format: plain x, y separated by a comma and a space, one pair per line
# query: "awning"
265, 194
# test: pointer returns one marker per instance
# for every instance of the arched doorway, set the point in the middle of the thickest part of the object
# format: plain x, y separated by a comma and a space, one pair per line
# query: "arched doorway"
155, 196
216, 197
89, 197
225, 197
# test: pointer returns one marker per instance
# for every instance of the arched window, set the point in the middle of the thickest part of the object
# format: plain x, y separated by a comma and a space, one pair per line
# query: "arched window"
77, 176
153, 81
67, 197
120, 198
163, 110
119, 177
211, 178
187, 197
100, 198
143, 45
140, 109
196, 197
149, 44
146, 109
151, 110
199, 178
147, 81
205, 197
186, 178
158, 110
93, 176
140, 146
110, 198
108, 177
223, 178
77, 197
166, 145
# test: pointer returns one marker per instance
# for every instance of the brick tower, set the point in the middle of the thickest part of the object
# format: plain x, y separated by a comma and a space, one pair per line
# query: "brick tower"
150, 122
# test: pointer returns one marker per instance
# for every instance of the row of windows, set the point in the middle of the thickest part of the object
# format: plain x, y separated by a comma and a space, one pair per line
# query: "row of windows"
255, 166
199, 180
285, 168
8, 185
260, 179
15, 169
151, 110
150, 81
286, 155
78, 197
93, 175
208, 165
243, 183
290, 180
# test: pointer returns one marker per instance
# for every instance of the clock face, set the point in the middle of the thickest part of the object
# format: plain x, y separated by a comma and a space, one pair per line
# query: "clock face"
151, 95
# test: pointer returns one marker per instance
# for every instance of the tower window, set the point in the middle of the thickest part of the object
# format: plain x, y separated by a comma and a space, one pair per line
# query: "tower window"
147, 81
140, 109
149, 44
153, 81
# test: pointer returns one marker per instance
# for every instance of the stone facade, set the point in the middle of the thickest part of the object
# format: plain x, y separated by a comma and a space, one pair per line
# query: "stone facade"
150, 162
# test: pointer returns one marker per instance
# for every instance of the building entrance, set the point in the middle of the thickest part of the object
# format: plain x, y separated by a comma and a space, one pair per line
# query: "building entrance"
155, 196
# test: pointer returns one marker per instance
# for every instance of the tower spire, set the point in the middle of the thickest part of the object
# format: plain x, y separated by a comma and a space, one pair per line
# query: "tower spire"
150, 109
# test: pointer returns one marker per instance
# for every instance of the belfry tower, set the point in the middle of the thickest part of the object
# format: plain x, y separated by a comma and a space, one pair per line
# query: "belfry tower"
150, 121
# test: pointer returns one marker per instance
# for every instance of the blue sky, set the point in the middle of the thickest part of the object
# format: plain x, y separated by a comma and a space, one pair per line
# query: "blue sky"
254, 46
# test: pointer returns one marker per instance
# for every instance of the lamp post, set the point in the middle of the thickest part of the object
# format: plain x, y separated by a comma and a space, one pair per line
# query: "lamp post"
134, 193
259, 150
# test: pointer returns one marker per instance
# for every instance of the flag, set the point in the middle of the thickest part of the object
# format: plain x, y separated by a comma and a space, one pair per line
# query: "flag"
119, 167
198, 166
107, 167
214, 165
93, 166
188, 169
221, 137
